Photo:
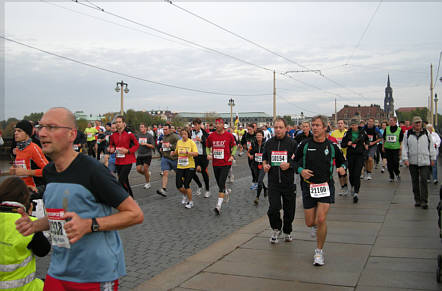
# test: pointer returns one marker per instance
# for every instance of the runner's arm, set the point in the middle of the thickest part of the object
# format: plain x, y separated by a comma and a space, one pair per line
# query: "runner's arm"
136, 145
40, 160
26, 226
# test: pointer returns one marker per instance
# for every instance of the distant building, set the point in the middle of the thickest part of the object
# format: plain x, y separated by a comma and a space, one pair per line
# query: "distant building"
164, 114
361, 113
409, 109
388, 100
89, 117
260, 118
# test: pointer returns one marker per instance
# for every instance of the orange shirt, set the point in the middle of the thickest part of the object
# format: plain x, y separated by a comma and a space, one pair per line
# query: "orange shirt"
23, 159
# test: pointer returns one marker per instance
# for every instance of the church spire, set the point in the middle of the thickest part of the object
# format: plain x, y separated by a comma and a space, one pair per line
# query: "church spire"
388, 81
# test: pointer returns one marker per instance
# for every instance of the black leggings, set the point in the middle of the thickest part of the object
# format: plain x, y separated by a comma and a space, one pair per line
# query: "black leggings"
101, 149
184, 177
91, 148
203, 163
254, 170
392, 157
123, 172
261, 185
355, 163
221, 173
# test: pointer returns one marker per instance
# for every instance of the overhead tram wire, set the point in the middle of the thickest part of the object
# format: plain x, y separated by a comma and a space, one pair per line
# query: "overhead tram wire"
437, 73
363, 33
266, 49
131, 76
95, 7
115, 23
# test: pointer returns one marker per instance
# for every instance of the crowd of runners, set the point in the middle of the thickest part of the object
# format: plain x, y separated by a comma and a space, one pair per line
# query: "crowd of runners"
51, 163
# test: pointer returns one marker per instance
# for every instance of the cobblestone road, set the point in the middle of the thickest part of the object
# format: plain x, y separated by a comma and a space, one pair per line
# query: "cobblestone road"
170, 233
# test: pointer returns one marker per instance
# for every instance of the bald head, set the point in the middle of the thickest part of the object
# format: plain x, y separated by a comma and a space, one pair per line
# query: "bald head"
65, 116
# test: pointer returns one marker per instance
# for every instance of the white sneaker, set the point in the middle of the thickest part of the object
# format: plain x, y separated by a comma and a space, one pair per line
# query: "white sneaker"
198, 191
369, 176
365, 176
227, 195
318, 258
147, 186
189, 205
184, 201
344, 191
275, 234
288, 237
207, 194
313, 231
231, 179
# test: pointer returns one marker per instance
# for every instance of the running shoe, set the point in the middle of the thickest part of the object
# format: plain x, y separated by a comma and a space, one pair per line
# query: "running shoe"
344, 191
288, 237
369, 176
382, 170
275, 235
217, 210
435, 182
161, 173
184, 200
189, 204
207, 194
256, 201
199, 191
162, 192
398, 179
147, 186
318, 258
227, 196
231, 179
355, 198
390, 179
313, 231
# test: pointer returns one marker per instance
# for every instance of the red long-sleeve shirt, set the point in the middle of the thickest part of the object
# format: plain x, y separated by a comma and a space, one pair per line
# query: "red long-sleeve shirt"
23, 159
124, 140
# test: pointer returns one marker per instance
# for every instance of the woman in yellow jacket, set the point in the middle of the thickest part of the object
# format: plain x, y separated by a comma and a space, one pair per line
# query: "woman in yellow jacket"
17, 260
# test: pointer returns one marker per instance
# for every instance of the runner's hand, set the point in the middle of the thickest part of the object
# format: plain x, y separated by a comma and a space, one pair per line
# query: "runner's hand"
349, 143
284, 166
341, 171
21, 172
307, 174
407, 163
267, 168
77, 227
231, 159
24, 224
209, 157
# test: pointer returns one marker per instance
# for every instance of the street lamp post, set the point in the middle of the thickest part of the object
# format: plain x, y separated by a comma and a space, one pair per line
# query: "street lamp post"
231, 104
435, 113
119, 86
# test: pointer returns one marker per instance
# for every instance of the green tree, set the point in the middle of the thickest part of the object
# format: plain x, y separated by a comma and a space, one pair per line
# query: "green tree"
422, 112
35, 116
288, 119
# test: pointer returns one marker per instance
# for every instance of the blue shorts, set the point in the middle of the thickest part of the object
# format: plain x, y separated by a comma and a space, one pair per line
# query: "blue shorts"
167, 164
111, 163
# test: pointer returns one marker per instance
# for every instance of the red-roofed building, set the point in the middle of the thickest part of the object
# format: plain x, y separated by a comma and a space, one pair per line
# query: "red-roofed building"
361, 112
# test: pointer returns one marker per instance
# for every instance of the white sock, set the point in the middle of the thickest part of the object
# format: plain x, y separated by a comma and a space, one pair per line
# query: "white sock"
220, 201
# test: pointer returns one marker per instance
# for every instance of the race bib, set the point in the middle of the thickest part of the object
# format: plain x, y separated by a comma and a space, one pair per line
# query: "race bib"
258, 158
166, 147
75, 147
183, 161
119, 154
142, 140
218, 154
20, 164
391, 138
56, 228
370, 137
278, 157
107, 138
89, 135
339, 139
319, 190
249, 144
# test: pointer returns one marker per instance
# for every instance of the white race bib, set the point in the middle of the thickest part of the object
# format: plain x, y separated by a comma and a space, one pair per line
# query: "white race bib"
319, 190
183, 161
142, 140
120, 154
249, 144
218, 154
166, 147
370, 137
278, 157
391, 138
89, 135
258, 157
20, 164
56, 227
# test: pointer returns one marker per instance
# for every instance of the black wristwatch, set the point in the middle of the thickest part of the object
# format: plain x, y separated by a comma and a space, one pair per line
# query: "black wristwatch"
95, 226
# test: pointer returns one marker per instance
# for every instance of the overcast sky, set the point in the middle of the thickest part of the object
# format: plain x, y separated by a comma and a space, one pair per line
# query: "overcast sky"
402, 40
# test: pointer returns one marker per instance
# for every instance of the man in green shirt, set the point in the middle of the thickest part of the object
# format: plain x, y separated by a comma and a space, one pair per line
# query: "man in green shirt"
90, 133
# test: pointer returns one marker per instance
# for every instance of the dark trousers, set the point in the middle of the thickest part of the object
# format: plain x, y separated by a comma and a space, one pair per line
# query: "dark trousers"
419, 176
355, 163
288, 197
101, 149
254, 170
221, 173
261, 185
392, 157
123, 172
91, 148
203, 163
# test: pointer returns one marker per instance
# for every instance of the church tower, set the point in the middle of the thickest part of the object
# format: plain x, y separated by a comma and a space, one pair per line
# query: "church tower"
388, 101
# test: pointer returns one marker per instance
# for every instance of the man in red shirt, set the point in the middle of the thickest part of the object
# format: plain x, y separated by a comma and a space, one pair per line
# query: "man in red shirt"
124, 144
26, 152
221, 148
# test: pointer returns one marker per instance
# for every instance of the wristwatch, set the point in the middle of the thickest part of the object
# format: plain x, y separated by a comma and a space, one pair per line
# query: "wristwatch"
95, 226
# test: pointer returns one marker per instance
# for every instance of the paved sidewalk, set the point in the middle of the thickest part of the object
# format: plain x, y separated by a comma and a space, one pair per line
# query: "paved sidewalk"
381, 243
